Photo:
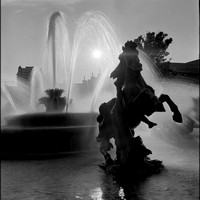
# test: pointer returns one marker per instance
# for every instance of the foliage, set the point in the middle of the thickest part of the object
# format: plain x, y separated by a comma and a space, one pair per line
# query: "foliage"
155, 46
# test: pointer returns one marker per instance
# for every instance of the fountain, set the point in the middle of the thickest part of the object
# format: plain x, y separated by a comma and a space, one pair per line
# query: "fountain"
31, 130
36, 133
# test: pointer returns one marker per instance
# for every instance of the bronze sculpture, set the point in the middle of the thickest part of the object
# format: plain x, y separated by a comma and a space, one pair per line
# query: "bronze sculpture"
136, 100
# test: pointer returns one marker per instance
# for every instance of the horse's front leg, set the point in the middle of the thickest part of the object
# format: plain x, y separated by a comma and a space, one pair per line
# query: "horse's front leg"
177, 117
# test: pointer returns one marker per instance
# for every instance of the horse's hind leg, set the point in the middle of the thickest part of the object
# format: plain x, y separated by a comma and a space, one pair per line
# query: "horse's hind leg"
173, 107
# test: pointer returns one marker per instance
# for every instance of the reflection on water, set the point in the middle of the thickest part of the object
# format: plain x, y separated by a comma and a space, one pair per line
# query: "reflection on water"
121, 193
96, 193
78, 176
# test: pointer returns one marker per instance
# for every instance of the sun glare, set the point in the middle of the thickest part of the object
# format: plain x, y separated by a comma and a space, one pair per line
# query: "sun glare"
96, 53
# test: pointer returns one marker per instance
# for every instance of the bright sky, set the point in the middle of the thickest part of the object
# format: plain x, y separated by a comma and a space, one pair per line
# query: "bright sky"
23, 26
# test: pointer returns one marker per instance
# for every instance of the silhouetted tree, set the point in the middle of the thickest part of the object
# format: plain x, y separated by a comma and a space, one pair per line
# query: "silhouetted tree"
155, 46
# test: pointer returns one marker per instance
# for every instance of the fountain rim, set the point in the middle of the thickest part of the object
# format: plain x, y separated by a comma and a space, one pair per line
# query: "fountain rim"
51, 120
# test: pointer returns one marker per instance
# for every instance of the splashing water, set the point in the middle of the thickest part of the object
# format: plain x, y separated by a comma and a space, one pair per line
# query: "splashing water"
6, 97
60, 62
57, 53
150, 73
96, 26
37, 87
15, 98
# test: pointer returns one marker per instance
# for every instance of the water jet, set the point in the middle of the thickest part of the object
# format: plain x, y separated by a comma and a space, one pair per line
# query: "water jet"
37, 133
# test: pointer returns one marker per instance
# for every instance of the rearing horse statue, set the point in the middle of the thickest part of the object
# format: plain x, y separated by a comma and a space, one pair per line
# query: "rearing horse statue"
139, 98
135, 101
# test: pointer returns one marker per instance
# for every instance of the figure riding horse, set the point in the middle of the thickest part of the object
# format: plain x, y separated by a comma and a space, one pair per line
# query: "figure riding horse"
138, 97
135, 100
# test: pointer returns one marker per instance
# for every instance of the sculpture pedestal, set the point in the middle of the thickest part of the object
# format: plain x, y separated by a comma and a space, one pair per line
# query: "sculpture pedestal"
136, 165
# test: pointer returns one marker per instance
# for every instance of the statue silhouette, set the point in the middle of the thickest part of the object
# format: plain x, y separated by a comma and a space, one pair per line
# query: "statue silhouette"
121, 115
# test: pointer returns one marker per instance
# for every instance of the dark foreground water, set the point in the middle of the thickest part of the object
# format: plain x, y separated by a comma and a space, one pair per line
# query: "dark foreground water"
77, 176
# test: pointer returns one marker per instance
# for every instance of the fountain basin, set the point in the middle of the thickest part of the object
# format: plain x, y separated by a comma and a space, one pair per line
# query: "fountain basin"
48, 133
51, 119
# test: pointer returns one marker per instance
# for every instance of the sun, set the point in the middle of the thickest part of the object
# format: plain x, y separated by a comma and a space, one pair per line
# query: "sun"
96, 53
